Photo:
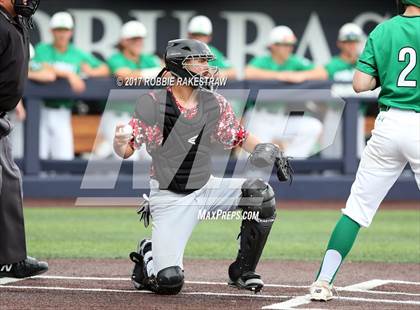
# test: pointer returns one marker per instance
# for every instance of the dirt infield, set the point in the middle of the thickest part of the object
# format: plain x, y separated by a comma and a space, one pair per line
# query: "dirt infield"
104, 284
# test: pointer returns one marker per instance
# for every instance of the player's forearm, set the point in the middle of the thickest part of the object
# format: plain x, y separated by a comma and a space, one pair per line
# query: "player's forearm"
318, 73
127, 73
63, 74
101, 71
252, 73
250, 142
124, 151
42, 76
363, 82
228, 73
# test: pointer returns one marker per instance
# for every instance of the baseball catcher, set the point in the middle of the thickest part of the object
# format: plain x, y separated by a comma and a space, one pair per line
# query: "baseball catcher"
178, 125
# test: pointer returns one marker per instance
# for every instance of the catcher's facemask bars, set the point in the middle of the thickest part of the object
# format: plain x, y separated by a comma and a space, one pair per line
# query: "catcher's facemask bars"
206, 75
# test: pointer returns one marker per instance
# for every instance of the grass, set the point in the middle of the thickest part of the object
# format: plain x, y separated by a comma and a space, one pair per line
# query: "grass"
75, 232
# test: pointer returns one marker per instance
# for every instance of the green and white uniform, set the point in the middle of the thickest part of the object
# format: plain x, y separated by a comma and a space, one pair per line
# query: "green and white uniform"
293, 63
299, 134
71, 60
391, 54
395, 62
56, 134
340, 70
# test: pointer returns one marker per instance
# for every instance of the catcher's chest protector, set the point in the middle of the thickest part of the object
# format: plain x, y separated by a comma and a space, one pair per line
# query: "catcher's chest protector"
182, 164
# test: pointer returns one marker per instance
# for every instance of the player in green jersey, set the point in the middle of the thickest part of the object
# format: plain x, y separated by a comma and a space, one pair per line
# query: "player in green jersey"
281, 64
298, 135
200, 28
129, 64
38, 73
341, 68
70, 63
389, 60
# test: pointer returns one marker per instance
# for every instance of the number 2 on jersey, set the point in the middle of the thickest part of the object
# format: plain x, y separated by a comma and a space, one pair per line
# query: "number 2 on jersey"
412, 61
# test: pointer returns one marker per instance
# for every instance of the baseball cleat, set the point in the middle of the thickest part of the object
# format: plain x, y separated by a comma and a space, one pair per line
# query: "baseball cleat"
321, 291
29, 267
139, 275
248, 281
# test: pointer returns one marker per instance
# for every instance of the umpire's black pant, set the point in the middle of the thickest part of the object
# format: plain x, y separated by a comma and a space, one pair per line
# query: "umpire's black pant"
12, 229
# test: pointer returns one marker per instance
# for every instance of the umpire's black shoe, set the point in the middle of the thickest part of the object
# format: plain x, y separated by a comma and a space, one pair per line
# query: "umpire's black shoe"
27, 268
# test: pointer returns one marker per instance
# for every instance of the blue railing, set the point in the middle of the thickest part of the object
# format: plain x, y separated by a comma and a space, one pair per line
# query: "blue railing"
305, 187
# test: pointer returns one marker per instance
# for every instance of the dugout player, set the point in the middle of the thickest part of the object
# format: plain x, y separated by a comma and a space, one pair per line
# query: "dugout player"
200, 28
341, 68
395, 138
130, 62
178, 125
70, 63
14, 50
302, 133
37, 73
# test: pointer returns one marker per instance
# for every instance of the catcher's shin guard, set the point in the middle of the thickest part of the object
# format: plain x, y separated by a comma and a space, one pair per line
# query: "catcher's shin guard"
257, 196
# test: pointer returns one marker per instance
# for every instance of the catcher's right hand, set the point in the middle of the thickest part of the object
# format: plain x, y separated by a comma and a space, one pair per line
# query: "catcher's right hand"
121, 137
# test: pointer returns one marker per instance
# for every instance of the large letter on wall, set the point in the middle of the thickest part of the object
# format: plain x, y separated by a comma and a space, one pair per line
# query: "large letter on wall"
149, 19
314, 39
183, 17
237, 48
83, 34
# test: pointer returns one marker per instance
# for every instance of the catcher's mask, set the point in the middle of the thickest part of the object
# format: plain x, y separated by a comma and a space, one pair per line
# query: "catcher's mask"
177, 56
26, 8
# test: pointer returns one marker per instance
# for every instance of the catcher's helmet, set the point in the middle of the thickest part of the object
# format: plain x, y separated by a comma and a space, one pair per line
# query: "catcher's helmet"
26, 8
179, 51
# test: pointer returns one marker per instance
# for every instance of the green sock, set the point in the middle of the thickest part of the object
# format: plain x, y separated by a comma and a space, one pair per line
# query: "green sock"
341, 242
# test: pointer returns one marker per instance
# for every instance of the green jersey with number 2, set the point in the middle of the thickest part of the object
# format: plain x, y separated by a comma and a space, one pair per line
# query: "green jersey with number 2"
392, 53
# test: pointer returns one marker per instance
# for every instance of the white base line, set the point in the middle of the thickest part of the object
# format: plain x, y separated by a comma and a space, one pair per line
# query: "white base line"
368, 285
290, 304
379, 292
128, 279
58, 288
9, 280
404, 282
387, 301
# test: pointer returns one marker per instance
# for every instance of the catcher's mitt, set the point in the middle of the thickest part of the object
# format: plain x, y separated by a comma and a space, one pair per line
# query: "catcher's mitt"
269, 154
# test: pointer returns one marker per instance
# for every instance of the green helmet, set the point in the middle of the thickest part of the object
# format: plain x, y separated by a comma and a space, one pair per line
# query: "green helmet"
411, 2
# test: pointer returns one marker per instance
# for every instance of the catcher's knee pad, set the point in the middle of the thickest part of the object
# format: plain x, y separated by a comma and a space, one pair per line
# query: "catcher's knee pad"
257, 196
169, 281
